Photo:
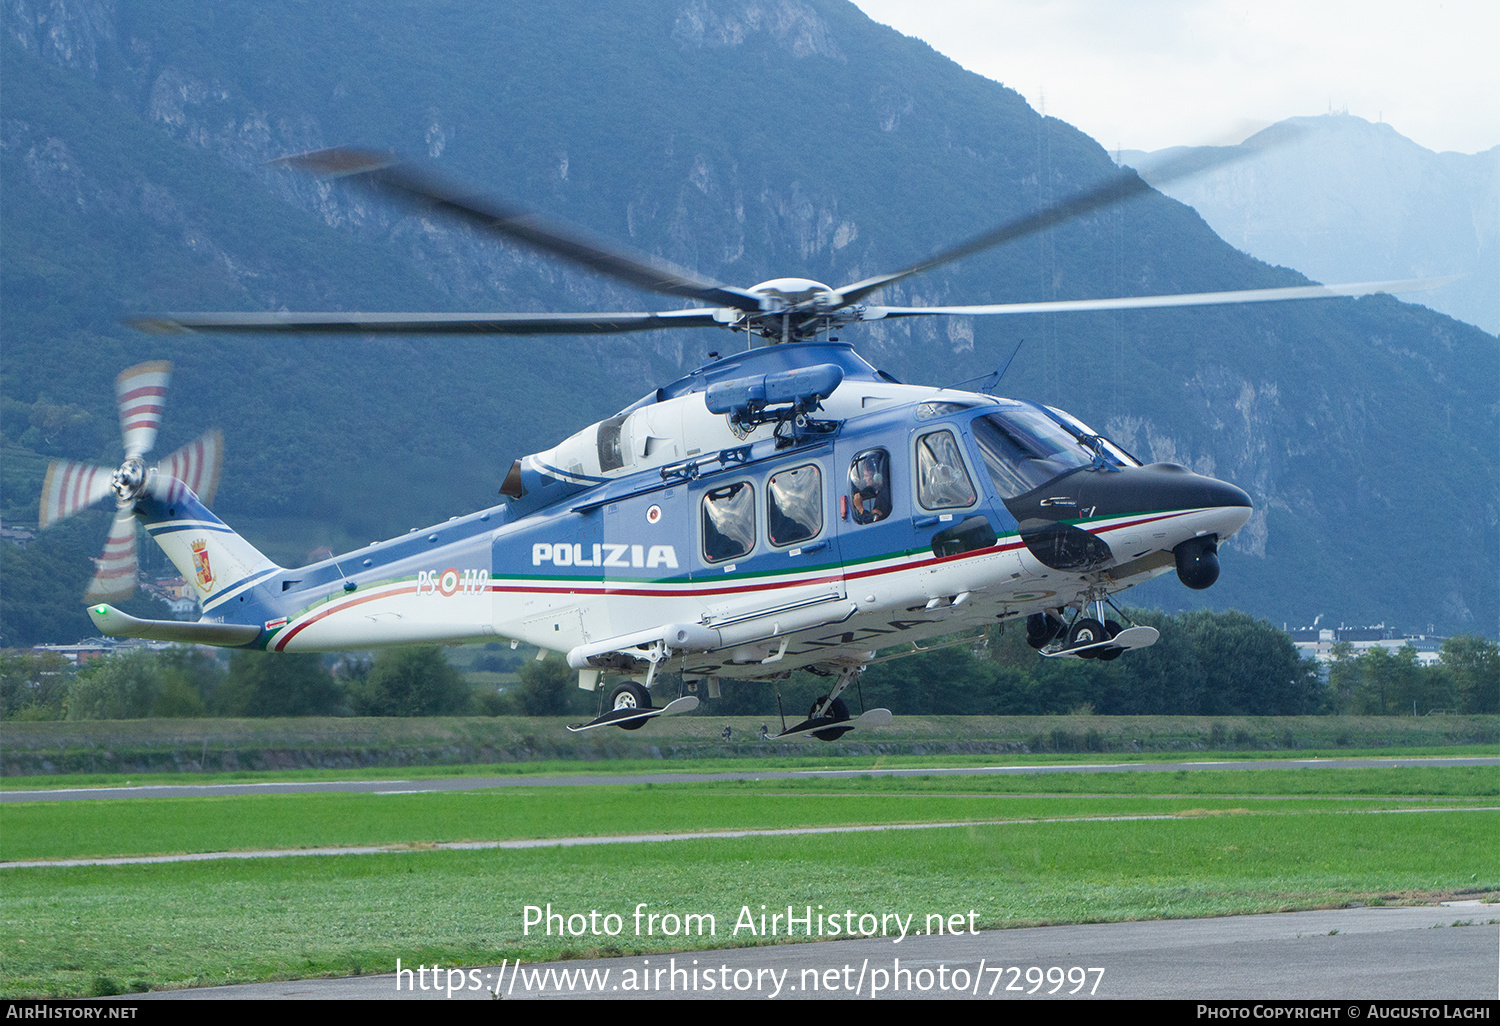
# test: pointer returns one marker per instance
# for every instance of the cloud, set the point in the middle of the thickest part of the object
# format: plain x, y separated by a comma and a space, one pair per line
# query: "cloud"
1154, 73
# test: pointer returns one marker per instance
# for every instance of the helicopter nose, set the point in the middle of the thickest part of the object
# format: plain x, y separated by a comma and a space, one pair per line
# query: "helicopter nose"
1159, 487
1194, 504
1127, 491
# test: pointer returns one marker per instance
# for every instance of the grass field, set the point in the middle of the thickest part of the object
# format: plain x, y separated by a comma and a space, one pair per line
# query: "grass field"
1049, 849
133, 747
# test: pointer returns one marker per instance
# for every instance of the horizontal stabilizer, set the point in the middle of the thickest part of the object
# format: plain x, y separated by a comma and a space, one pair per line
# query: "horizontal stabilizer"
122, 625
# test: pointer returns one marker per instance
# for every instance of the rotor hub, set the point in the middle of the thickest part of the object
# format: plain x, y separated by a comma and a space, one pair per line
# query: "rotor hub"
129, 480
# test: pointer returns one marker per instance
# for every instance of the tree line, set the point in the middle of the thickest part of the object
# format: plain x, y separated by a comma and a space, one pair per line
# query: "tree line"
191, 682
1205, 664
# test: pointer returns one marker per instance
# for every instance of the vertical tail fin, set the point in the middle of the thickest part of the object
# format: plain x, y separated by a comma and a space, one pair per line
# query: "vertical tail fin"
211, 557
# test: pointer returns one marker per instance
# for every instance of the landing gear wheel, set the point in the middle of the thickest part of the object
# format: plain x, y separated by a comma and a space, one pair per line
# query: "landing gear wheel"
1041, 628
837, 711
1111, 629
630, 695
1086, 632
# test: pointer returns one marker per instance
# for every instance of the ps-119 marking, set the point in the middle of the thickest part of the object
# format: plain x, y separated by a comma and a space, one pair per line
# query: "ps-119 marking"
452, 581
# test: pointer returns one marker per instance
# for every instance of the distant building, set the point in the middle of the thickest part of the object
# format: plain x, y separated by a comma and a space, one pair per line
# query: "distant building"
101, 648
17, 535
176, 593
1318, 642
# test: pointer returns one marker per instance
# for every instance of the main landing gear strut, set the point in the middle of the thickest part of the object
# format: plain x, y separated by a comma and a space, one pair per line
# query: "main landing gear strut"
828, 719
1090, 637
630, 706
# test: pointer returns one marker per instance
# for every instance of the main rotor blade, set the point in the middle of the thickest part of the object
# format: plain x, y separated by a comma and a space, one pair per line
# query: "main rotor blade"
383, 173
1154, 302
433, 324
114, 581
197, 465
1122, 187
71, 487
141, 390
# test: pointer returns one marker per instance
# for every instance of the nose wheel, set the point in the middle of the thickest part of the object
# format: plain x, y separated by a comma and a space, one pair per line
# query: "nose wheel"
1086, 631
1095, 637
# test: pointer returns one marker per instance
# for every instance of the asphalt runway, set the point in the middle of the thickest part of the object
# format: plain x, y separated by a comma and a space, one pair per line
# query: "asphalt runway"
594, 780
1342, 955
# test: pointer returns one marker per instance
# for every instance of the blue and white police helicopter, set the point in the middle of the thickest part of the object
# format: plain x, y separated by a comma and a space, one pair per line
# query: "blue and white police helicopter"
785, 508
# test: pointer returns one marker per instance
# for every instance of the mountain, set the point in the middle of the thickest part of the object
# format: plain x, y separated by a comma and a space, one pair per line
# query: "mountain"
747, 139
1342, 199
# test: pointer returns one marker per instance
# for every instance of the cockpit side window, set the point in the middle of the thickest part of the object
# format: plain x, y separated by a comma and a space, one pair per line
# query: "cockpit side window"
942, 481
728, 522
794, 505
870, 486
1023, 449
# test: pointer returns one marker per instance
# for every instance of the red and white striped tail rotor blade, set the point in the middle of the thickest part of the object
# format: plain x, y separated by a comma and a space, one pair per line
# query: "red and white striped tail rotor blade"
115, 579
141, 391
197, 465
71, 487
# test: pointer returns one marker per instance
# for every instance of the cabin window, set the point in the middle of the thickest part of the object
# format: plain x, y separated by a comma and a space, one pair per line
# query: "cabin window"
794, 505
728, 522
926, 411
942, 481
870, 486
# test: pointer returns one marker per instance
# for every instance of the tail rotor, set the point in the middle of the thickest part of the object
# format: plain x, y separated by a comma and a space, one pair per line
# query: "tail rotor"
72, 487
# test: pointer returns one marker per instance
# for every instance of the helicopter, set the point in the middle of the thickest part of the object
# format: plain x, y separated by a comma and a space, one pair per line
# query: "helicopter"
790, 507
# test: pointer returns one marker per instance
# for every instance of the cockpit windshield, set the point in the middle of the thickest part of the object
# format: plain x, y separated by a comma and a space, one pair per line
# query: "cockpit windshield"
1111, 450
1024, 448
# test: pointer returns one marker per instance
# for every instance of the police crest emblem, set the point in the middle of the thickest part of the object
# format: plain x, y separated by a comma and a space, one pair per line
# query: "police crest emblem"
200, 563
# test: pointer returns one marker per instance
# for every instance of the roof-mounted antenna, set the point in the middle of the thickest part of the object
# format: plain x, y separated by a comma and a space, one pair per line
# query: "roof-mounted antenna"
990, 381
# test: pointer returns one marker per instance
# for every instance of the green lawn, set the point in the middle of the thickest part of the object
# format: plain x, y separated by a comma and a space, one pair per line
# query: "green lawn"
138, 826
1235, 841
66, 930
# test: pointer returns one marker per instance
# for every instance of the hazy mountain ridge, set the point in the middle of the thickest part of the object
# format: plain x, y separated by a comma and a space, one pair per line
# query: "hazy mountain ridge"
1348, 200
745, 140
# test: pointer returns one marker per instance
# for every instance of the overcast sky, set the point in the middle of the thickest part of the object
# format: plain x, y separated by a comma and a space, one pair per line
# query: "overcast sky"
1145, 74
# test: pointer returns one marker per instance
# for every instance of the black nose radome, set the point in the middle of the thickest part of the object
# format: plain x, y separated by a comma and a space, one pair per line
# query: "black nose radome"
1089, 494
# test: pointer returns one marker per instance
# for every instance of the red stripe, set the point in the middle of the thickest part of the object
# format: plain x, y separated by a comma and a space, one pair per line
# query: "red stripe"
1146, 520
65, 490
80, 478
142, 424
289, 635
192, 460
669, 591
144, 390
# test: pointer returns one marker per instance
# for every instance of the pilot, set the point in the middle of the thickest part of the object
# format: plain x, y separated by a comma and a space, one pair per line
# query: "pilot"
870, 503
